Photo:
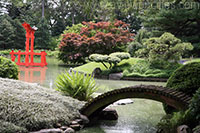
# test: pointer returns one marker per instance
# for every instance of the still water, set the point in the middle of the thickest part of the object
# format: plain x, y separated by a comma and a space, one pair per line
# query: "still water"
139, 117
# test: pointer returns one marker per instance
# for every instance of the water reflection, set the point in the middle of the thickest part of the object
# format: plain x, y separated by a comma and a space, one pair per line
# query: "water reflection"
33, 74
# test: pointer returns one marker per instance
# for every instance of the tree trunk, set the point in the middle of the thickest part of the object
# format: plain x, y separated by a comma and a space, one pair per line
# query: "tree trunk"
42, 9
73, 21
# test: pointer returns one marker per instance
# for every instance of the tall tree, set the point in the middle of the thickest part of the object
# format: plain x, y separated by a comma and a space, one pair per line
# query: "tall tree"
42, 35
6, 34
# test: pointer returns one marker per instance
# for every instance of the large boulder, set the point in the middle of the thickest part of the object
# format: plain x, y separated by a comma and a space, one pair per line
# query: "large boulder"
29, 107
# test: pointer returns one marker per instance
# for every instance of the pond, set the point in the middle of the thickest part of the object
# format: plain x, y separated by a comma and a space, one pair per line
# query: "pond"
140, 117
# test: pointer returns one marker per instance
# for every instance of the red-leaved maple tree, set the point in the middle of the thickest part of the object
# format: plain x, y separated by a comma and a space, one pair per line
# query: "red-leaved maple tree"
101, 37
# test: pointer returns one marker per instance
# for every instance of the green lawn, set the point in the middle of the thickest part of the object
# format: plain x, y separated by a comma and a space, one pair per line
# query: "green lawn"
89, 67
193, 60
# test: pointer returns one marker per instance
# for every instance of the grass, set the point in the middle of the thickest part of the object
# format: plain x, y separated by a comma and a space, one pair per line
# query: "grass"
49, 52
193, 60
89, 67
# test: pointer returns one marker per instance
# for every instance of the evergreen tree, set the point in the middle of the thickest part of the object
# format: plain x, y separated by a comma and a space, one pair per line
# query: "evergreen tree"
20, 38
6, 34
58, 28
42, 35
178, 20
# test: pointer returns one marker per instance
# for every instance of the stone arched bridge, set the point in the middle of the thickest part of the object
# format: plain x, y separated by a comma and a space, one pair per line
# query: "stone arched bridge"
171, 97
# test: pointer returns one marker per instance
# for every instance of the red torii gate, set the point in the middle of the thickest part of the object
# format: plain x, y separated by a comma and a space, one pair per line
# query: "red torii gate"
29, 35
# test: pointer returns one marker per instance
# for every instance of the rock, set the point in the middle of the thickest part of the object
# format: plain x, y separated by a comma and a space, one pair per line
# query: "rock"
183, 129
69, 130
108, 114
58, 125
123, 102
53, 130
96, 72
64, 128
116, 76
76, 127
74, 122
84, 119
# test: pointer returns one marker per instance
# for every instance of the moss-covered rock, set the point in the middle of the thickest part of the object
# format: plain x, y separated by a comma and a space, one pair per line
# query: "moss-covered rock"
186, 78
27, 106
8, 69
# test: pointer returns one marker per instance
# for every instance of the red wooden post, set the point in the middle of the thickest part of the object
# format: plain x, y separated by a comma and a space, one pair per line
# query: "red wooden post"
19, 57
32, 46
12, 55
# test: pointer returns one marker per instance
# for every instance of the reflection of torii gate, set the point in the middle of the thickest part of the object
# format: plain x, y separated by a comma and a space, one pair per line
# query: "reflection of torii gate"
29, 74
29, 35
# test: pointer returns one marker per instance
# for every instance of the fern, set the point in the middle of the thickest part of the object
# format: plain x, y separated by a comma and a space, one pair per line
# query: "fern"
76, 85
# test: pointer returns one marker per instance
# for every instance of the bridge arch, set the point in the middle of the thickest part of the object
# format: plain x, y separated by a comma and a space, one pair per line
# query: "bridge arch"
171, 97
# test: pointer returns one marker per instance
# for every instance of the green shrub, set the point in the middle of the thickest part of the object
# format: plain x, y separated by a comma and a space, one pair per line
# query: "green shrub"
143, 68
7, 127
186, 78
5, 52
120, 55
98, 58
133, 47
76, 85
195, 105
32, 107
140, 67
164, 48
114, 60
8, 69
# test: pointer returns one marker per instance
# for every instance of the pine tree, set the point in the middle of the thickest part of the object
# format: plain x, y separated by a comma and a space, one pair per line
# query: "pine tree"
6, 34
42, 35
19, 32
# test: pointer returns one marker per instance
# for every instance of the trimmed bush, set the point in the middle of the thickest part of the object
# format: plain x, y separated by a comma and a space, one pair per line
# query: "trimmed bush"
26, 106
8, 69
186, 78
113, 58
7, 127
121, 55
98, 58
164, 48
76, 85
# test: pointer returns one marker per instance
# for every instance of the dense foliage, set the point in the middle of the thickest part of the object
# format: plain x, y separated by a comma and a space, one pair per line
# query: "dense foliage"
183, 23
76, 85
145, 69
43, 36
101, 38
195, 106
8, 69
164, 48
141, 36
186, 78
